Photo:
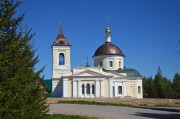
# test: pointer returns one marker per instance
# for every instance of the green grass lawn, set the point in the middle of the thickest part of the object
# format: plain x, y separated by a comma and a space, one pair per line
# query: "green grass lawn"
61, 116
94, 103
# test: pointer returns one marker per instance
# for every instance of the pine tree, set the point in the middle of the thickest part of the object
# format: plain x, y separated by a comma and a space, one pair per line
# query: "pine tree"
21, 93
176, 85
145, 87
159, 85
148, 87
167, 88
151, 87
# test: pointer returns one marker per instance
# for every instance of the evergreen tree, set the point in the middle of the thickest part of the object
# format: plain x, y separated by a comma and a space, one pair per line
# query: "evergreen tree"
21, 94
176, 85
145, 87
151, 90
148, 87
159, 85
167, 88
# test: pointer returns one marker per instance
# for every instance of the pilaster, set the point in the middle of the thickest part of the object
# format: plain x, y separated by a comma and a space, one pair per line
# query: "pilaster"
79, 88
74, 89
115, 89
96, 88
65, 87
110, 87
102, 89
124, 88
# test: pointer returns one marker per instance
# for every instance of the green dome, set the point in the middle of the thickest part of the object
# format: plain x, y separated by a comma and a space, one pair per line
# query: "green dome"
132, 73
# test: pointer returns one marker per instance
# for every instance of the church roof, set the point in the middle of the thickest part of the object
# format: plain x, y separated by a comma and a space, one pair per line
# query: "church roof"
61, 39
132, 73
48, 84
108, 49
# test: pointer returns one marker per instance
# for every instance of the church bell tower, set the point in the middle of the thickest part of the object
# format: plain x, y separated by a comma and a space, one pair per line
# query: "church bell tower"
61, 55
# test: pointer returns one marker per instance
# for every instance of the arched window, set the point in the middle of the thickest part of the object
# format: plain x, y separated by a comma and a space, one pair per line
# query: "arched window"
93, 89
61, 59
88, 89
83, 88
139, 89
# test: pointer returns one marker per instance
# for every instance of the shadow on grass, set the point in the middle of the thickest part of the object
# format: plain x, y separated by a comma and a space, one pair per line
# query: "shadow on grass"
168, 115
158, 116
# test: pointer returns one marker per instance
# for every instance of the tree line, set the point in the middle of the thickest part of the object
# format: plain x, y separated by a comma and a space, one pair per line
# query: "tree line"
161, 87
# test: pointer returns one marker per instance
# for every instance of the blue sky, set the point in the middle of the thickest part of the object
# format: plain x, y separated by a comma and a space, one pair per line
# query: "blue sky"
147, 31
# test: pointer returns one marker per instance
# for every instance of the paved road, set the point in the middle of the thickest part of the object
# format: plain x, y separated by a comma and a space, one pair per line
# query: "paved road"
115, 112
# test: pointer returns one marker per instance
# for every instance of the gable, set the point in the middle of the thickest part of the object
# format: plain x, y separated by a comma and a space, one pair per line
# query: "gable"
118, 75
88, 73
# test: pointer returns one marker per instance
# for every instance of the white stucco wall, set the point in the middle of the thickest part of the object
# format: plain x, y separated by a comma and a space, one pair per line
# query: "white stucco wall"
105, 61
132, 88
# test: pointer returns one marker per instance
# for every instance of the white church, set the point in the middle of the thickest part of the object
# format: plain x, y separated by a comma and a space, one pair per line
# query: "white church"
107, 79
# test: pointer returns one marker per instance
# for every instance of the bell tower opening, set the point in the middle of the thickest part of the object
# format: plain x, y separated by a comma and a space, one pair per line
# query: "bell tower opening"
61, 42
61, 59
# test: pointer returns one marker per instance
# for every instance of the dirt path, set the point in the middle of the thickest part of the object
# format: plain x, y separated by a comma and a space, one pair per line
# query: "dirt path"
136, 102
115, 112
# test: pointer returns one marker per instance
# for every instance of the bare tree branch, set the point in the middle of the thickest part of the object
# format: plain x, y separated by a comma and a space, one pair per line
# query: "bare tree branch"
178, 48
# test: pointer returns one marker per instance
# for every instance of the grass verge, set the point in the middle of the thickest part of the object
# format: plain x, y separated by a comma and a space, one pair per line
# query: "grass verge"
82, 102
143, 105
178, 103
62, 116
162, 105
93, 103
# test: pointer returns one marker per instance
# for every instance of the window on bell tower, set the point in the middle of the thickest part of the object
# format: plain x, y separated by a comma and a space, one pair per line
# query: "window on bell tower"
61, 59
